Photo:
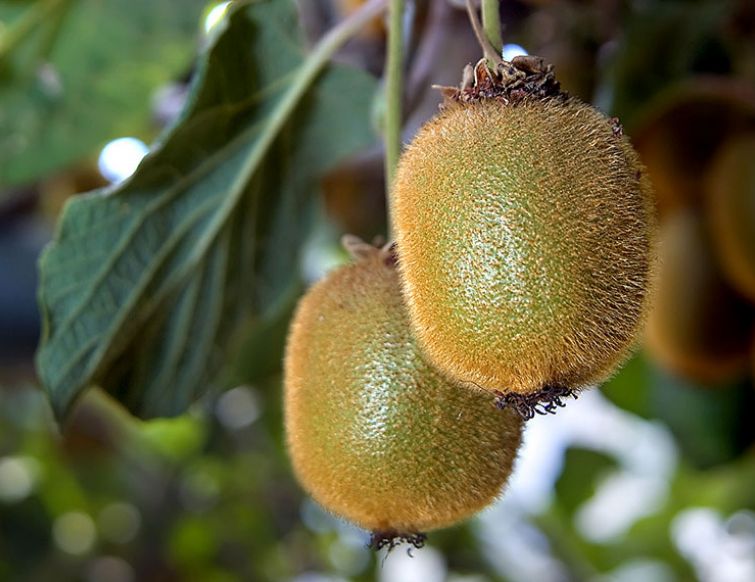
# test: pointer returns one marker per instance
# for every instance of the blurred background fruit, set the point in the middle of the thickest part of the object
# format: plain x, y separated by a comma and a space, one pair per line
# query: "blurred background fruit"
731, 211
699, 326
681, 130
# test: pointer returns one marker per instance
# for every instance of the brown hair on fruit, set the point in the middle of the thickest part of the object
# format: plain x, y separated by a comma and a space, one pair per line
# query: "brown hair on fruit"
731, 212
374, 433
526, 235
699, 327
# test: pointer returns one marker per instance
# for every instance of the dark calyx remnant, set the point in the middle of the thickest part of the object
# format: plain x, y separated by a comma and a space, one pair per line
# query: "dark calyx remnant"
393, 539
390, 255
547, 400
524, 78
618, 129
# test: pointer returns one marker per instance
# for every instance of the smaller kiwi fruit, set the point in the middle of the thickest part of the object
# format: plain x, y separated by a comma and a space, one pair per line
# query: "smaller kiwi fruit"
699, 327
731, 212
375, 434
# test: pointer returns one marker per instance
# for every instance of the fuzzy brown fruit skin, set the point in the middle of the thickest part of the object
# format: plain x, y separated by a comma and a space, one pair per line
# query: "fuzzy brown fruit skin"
375, 435
526, 240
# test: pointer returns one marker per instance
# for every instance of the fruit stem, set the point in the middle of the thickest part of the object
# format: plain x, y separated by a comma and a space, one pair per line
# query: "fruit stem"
394, 89
491, 23
491, 53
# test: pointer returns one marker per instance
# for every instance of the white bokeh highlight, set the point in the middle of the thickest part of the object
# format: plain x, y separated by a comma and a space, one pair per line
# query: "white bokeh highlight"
74, 533
120, 158
18, 478
512, 50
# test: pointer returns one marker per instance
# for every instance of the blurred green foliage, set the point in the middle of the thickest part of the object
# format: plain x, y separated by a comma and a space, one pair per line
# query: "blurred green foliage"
85, 68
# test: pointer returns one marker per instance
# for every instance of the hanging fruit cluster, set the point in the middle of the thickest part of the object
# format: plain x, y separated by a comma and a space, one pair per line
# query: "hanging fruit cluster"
521, 274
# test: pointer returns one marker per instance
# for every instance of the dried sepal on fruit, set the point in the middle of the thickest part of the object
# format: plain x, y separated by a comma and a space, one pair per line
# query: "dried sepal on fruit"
526, 235
374, 433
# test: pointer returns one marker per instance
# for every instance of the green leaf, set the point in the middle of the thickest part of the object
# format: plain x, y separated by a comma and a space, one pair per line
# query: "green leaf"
82, 73
144, 286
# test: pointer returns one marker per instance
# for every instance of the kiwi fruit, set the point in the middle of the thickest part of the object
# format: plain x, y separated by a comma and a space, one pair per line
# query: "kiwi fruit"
731, 211
699, 327
374, 433
526, 232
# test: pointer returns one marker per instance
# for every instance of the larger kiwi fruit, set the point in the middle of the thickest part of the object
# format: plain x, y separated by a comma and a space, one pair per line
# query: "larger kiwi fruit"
526, 236
375, 434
